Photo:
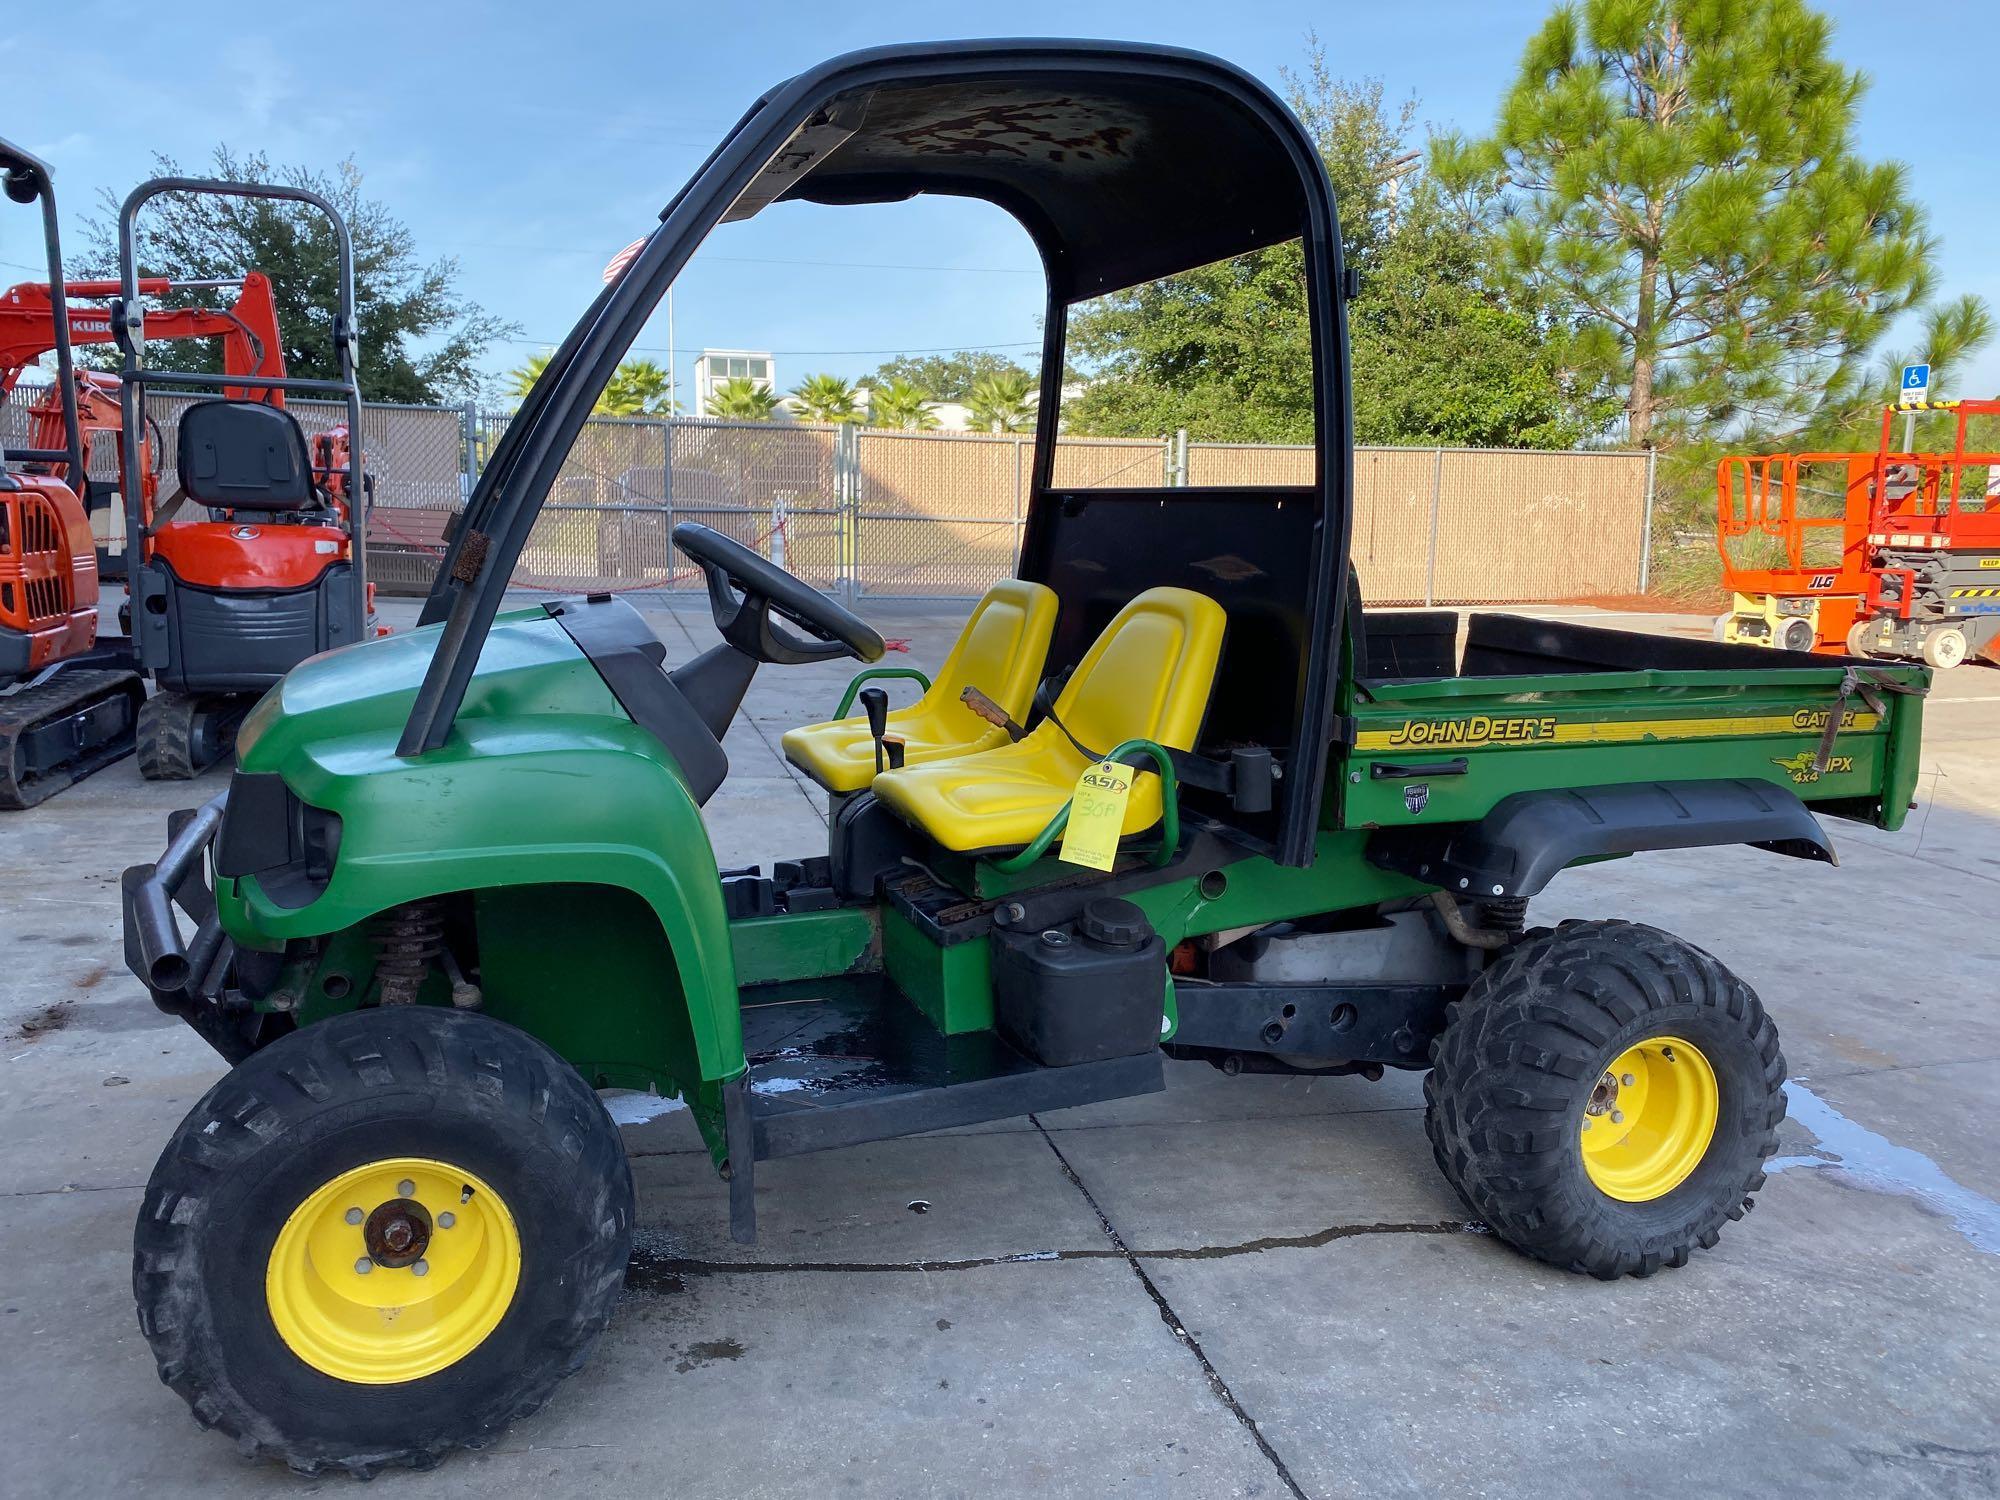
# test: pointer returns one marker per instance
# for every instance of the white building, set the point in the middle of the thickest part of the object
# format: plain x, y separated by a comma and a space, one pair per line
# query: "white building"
717, 365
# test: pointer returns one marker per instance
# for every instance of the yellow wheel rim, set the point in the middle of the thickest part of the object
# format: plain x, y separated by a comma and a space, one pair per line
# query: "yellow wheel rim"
1649, 1120
393, 1271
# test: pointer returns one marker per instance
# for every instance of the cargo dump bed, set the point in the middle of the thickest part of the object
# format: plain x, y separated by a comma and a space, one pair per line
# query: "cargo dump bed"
1442, 732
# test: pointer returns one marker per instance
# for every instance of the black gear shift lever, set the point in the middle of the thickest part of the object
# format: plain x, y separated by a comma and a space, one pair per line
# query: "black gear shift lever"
875, 704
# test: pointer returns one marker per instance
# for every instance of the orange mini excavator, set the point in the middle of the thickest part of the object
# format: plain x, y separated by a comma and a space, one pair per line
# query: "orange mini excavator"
247, 331
68, 703
256, 560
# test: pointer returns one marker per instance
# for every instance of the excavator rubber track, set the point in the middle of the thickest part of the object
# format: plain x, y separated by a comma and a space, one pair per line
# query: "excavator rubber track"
56, 732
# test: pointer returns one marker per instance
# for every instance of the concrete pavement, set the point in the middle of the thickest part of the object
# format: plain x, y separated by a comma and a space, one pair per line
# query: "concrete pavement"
1254, 1286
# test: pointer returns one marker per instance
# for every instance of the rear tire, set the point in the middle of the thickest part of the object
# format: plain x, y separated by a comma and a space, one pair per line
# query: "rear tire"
1526, 1058
1858, 635
266, 1327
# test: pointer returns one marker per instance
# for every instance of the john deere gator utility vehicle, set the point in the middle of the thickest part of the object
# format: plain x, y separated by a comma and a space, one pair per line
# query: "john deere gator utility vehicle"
460, 878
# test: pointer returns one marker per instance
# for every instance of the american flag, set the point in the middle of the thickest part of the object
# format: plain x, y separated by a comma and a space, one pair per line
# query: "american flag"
622, 261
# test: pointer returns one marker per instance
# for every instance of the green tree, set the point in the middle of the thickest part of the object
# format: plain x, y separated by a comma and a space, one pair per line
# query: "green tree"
1850, 415
421, 339
1682, 172
1225, 351
901, 404
1440, 358
742, 399
826, 398
521, 379
1002, 403
637, 388
948, 377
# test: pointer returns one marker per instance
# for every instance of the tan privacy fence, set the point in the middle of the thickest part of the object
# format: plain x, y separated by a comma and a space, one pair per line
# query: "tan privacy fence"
868, 512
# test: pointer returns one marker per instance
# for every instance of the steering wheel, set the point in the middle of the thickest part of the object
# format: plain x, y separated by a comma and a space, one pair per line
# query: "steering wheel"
745, 590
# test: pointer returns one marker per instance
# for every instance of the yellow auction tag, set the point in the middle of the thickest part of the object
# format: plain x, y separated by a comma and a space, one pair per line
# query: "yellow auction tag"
1096, 815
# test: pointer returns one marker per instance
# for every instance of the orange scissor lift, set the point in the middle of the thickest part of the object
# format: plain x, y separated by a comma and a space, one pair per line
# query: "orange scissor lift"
1891, 553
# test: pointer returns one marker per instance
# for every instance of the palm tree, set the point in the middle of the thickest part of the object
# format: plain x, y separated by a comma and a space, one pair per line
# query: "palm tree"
742, 400
826, 398
900, 403
1003, 402
521, 379
638, 388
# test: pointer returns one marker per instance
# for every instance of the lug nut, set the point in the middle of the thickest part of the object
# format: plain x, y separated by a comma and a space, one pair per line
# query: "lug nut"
406, 1189
1586, 1123
354, 1216
421, 1268
1627, 1080
1617, 1117
363, 1266
447, 1219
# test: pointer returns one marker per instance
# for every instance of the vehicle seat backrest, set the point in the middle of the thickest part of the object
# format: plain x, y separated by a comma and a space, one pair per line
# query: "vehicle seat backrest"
1001, 651
243, 455
1148, 675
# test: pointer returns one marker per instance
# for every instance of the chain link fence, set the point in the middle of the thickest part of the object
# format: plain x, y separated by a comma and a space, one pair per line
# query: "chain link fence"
870, 512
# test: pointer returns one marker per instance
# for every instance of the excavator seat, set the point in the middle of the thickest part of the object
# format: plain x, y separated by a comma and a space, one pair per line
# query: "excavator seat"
1000, 651
243, 455
1146, 677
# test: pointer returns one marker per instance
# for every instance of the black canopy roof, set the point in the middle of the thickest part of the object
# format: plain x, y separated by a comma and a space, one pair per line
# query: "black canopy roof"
1120, 178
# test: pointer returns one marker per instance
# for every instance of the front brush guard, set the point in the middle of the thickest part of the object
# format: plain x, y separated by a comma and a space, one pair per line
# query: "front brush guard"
189, 979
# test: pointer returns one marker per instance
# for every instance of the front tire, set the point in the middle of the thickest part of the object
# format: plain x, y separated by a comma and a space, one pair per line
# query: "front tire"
385, 1236
1605, 1097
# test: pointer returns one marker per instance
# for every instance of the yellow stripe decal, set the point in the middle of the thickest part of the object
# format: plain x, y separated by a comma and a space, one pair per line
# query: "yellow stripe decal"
1525, 731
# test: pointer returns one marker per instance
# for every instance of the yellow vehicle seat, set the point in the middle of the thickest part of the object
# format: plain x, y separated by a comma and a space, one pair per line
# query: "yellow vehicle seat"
1000, 651
1146, 677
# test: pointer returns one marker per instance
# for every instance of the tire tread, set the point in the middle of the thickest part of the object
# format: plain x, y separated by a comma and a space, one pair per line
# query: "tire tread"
1505, 1069
279, 1088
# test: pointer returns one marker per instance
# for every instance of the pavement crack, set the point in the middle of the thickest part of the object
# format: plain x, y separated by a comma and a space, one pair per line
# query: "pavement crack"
72, 1188
1175, 1326
651, 1270
1936, 1062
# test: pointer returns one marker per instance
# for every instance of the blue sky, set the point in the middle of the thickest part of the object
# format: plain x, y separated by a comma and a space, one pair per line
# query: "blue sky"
531, 142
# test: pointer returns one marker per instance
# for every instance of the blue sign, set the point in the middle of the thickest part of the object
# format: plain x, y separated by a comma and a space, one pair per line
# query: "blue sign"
1916, 380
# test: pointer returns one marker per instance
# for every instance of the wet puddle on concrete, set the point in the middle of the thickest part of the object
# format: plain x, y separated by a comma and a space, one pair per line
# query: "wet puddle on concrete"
1858, 1157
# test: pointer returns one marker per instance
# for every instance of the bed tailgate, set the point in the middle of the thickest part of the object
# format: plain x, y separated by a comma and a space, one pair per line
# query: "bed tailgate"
1844, 738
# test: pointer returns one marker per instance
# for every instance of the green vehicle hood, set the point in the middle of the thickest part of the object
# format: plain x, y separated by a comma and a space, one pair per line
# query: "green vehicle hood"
361, 694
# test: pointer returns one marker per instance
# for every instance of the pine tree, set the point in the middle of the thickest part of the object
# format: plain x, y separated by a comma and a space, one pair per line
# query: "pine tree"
1682, 172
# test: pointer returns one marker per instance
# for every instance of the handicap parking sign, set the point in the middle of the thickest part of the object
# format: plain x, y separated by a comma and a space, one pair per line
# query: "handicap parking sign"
1916, 383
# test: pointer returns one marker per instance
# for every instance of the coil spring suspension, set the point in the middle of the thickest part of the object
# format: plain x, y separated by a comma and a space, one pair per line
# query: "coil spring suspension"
1506, 914
408, 940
